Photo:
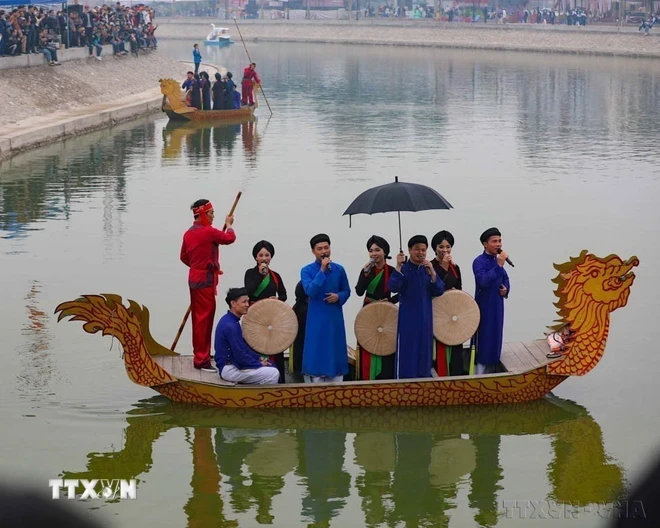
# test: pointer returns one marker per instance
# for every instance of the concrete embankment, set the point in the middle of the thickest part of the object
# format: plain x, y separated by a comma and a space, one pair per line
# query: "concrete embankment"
589, 40
39, 105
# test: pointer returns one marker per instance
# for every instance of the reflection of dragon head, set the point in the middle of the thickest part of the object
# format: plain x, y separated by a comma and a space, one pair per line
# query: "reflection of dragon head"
170, 89
130, 326
589, 288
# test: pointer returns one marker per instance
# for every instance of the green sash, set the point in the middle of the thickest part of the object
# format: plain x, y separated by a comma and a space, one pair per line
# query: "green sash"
376, 365
374, 283
265, 282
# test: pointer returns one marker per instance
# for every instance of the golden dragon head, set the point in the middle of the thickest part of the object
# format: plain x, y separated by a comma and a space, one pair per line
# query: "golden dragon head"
589, 288
106, 313
170, 88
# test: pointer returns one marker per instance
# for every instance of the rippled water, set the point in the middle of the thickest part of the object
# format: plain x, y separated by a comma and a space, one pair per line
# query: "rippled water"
559, 152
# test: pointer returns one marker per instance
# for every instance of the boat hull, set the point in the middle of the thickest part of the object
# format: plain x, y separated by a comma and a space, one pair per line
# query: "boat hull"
216, 116
221, 42
432, 392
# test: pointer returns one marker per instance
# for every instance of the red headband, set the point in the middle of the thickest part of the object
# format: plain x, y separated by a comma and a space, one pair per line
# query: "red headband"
201, 212
202, 208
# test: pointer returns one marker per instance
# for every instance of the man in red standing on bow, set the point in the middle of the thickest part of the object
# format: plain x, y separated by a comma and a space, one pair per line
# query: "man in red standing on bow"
200, 252
250, 77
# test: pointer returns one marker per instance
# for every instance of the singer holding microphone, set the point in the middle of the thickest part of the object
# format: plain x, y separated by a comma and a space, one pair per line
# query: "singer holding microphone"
261, 282
417, 283
492, 287
373, 280
326, 284
449, 359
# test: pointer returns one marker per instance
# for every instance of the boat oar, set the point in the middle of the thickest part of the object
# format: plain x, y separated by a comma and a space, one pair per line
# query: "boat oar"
250, 59
185, 317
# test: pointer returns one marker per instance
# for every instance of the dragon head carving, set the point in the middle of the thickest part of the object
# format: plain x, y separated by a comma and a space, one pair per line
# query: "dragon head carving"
130, 326
589, 288
170, 89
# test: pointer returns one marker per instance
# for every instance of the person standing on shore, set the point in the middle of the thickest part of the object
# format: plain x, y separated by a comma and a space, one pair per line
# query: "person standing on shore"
200, 253
197, 57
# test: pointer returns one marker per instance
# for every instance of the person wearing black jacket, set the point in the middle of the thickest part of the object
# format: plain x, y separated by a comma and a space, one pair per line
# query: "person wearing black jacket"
261, 282
372, 281
443, 264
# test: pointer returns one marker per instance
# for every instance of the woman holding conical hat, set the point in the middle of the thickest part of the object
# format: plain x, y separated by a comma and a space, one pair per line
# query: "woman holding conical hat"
449, 359
373, 282
261, 282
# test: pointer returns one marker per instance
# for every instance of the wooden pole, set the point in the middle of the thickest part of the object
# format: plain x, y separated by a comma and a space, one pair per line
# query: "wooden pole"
187, 315
250, 59
183, 324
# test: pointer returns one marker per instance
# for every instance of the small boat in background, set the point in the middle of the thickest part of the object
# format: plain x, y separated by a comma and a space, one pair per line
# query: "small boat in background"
177, 110
219, 36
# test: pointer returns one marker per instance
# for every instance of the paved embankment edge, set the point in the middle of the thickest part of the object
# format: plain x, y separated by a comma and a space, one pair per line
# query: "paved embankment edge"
567, 40
38, 59
42, 130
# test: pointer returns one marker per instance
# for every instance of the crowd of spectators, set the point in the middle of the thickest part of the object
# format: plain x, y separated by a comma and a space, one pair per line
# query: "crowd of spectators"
32, 29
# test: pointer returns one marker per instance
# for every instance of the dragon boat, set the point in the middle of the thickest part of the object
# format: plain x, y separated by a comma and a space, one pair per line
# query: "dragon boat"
588, 290
177, 110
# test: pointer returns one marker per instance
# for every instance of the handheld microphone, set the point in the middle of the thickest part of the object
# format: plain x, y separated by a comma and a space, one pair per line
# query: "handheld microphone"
372, 263
508, 260
329, 268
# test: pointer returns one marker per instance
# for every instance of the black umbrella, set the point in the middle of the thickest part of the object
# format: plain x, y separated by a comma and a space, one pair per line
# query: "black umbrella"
397, 197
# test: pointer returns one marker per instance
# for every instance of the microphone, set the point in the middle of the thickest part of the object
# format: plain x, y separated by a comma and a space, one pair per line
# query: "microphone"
508, 260
372, 263
329, 268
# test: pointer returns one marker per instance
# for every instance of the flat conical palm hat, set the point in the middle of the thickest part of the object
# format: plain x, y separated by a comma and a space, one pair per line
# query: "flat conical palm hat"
375, 328
455, 317
450, 460
375, 451
273, 457
270, 326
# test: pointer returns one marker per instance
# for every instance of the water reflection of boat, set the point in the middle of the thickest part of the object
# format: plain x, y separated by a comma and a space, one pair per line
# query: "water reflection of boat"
177, 110
219, 36
588, 289
199, 136
414, 450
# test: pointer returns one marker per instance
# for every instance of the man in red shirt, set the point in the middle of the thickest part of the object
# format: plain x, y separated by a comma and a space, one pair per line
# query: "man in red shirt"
250, 77
200, 253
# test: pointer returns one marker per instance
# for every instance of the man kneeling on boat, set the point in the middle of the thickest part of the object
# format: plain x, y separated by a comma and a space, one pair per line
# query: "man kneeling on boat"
235, 360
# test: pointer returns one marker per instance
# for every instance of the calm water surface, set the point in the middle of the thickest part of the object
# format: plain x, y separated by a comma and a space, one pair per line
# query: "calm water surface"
559, 152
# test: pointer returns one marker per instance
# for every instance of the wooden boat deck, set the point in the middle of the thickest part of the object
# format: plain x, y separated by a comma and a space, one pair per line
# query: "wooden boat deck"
522, 357
516, 358
181, 367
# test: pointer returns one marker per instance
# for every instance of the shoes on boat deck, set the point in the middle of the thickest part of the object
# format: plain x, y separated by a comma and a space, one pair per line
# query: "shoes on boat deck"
554, 355
209, 369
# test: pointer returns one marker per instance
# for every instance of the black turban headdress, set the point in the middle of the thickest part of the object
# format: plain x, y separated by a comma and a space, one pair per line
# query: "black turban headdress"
263, 244
418, 239
493, 231
233, 294
381, 243
439, 237
317, 239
